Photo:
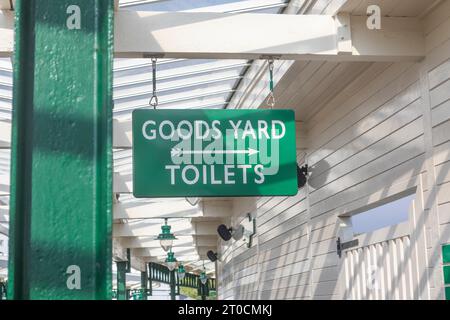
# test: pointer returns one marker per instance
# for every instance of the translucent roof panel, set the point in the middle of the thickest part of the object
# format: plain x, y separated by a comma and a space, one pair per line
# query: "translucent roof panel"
206, 5
5, 112
5, 88
181, 83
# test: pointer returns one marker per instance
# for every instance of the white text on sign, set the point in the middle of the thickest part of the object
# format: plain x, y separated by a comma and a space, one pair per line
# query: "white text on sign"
242, 149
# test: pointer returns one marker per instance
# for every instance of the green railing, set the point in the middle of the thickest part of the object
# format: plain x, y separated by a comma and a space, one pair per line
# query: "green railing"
160, 273
3, 290
134, 294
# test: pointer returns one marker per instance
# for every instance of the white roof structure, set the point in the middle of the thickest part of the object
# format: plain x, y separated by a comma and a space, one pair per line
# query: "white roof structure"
197, 84
181, 84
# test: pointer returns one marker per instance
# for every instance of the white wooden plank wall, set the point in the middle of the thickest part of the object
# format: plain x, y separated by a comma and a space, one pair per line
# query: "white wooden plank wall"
439, 81
437, 198
381, 271
366, 143
240, 270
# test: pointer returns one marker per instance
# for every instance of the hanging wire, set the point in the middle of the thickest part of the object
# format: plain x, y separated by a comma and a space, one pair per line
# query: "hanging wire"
271, 97
154, 100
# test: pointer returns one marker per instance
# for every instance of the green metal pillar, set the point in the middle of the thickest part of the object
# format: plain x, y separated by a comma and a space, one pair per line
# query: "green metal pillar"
203, 290
3, 290
61, 177
172, 285
122, 293
150, 279
144, 284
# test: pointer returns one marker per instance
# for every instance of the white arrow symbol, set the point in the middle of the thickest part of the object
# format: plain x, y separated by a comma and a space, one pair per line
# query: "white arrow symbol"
178, 152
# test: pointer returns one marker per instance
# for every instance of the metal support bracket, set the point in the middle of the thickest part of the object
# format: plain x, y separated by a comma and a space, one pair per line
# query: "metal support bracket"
128, 270
153, 55
345, 245
61, 152
344, 34
271, 57
302, 175
249, 230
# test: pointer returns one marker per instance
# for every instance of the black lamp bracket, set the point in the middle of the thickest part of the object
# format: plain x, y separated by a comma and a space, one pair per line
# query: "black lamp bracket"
304, 170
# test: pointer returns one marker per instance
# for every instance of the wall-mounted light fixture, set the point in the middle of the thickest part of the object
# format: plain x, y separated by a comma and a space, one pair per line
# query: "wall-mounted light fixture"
227, 233
212, 256
302, 175
171, 261
181, 272
193, 201
245, 231
249, 229
166, 237
203, 276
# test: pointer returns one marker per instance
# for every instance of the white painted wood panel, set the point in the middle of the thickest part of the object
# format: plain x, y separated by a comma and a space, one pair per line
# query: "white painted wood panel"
366, 148
380, 271
372, 134
442, 153
441, 133
440, 114
440, 94
290, 224
441, 31
298, 233
294, 280
293, 215
407, 170
439, 75
392, 159
360, 90
281, 207
356, 84
443, 173
358, 107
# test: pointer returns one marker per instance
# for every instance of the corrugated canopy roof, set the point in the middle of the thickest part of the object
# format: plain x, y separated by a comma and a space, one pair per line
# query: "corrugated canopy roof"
181, 83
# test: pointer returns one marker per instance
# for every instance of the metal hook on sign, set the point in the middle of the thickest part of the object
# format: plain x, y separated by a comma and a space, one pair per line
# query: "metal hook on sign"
154, 102
154, 99
271, 97
271, 100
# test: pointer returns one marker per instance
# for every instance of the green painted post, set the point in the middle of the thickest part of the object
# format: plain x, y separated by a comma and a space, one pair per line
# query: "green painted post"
122, 293
203, 291
144, 283
61, 177
129, 260
150, 278
2, 290
165, 158
172, 285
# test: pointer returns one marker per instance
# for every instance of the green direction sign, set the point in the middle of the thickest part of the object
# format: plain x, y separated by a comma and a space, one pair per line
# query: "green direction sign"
61, 176
214, 153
